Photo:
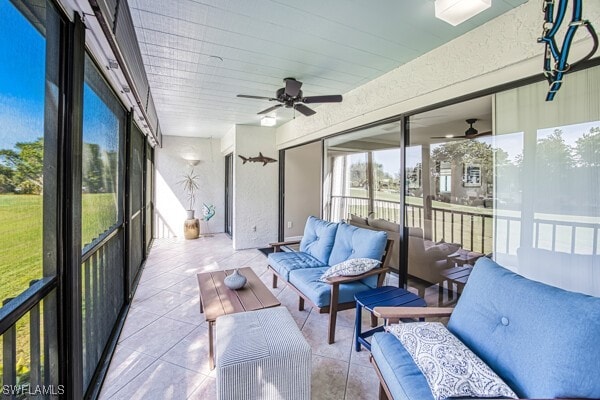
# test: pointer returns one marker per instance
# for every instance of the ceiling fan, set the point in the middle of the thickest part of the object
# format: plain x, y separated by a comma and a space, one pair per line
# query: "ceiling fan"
470, 133
290, 96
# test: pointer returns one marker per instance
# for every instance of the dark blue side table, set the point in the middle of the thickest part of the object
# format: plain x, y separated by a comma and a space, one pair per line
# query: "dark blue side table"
385, 296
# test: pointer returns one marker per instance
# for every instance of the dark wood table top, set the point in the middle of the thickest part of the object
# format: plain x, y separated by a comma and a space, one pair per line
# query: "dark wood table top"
217, 299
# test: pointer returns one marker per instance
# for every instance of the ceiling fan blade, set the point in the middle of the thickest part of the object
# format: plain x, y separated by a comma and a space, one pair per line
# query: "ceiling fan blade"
268, 110
471, 136
449, 137
304, 110
247, 96
336, 98
292, 87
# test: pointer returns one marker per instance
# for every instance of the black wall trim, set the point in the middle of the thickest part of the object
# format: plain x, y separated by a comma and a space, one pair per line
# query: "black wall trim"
126, 202
70, 335
281, 208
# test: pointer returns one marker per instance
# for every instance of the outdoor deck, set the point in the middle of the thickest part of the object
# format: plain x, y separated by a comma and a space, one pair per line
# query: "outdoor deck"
163, 349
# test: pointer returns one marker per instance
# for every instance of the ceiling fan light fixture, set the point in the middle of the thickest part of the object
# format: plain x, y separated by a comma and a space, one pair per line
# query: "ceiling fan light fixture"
455, 12
449, 136
268, 121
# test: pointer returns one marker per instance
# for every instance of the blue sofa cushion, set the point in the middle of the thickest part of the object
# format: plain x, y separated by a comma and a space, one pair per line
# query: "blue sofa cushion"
402, 376
318, 238
451, 369
285, 261
541, 340
307, 281
353, 242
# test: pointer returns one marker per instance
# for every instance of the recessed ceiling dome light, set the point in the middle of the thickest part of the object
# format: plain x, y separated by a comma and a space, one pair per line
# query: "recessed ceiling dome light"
268, 121
455, 12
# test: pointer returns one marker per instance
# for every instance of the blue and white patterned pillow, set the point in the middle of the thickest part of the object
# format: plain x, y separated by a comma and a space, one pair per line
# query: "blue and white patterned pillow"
351, 267
451, 369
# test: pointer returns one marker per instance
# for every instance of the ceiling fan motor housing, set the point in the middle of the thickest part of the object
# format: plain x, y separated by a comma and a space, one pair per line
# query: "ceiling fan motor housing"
290, 96
285, 98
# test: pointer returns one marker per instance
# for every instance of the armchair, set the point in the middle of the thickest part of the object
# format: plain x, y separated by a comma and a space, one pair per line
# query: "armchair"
427, 259
525, 331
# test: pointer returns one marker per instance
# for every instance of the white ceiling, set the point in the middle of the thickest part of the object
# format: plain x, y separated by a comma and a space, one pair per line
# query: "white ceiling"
333, 46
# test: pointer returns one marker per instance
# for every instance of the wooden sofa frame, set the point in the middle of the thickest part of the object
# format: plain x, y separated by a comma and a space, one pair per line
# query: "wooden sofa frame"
335, 282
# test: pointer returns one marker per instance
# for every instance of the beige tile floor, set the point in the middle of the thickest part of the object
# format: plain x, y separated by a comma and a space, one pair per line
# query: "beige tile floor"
163, 348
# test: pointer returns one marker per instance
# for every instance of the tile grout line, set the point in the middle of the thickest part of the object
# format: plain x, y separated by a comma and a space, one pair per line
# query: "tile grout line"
138, 374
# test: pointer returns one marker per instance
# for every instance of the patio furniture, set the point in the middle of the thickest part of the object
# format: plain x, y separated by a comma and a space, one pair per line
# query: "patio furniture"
262, 355
217, 300
541, 340
384, 296
377, 224
324, 244
463, 257
454, 276
426, 259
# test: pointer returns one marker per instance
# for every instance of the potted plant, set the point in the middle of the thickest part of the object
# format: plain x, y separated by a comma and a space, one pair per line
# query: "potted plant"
191, 185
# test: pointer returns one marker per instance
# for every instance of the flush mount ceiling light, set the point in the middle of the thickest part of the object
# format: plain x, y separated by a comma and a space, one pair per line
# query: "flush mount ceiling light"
455, 12
268, 121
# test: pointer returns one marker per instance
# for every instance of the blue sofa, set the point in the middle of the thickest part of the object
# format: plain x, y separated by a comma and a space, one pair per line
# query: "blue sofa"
541, 340
324, 244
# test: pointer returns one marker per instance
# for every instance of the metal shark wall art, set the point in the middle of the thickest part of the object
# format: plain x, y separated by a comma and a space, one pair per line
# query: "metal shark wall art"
259, 158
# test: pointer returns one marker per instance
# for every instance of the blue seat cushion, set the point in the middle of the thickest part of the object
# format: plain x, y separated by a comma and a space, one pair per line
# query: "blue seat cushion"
318, 238
353, 242
284, 262
400, 373
541, 340
307, 281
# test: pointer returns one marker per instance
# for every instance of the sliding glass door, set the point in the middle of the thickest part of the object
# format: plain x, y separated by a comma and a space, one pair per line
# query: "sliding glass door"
449, 196
548, 182
511, 177
362, 174
29, 193
362, 181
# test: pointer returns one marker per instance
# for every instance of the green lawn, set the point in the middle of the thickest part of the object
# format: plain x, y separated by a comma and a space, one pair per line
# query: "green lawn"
21, 246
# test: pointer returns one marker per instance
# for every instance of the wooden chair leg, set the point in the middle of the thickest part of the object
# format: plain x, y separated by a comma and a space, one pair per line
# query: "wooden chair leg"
374, 321
335, 288
382, 395
300, 304
274, 281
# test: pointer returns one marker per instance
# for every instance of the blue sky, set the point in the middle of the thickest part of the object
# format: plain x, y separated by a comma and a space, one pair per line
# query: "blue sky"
22, 85
21, 78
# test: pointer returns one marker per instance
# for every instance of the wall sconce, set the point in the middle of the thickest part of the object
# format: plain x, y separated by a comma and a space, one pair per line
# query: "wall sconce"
193, 163
455, 12
268, 121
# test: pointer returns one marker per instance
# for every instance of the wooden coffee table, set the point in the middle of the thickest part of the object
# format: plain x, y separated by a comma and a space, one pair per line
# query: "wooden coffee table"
216, 299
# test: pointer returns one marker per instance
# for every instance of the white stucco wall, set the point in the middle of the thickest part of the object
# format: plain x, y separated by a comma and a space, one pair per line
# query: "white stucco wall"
255, 205
498, 52
302, 187
171, 201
